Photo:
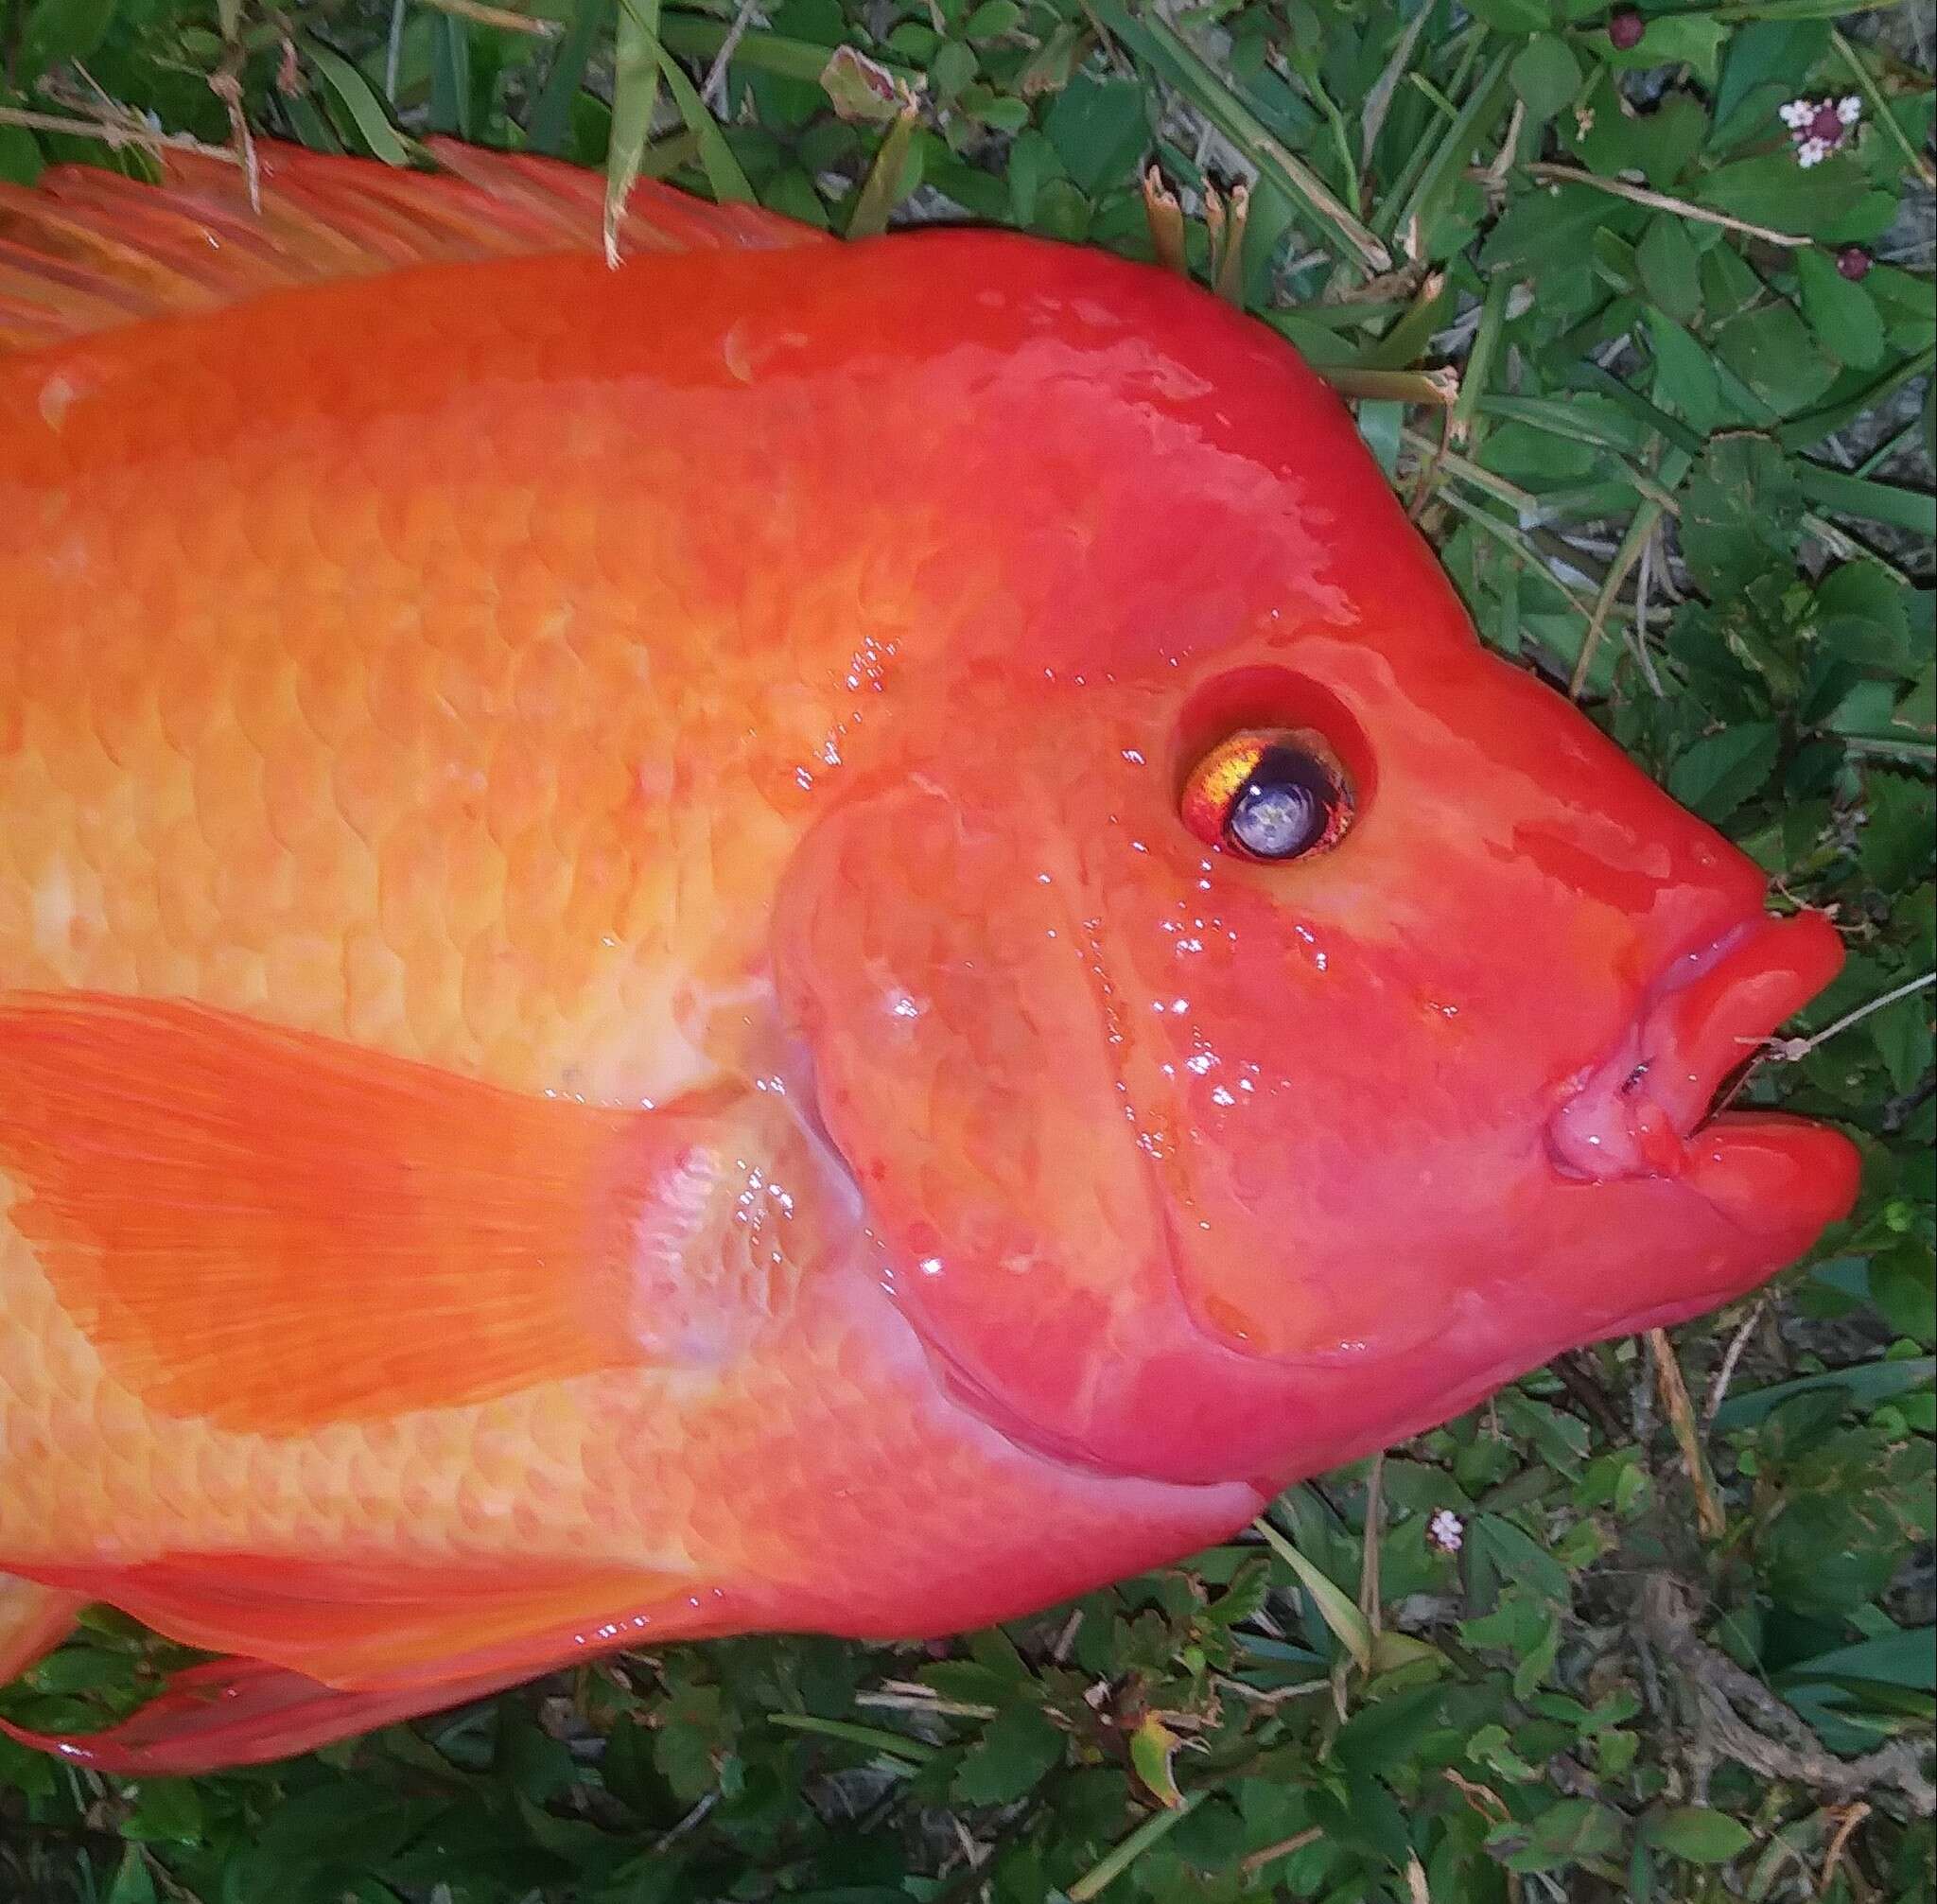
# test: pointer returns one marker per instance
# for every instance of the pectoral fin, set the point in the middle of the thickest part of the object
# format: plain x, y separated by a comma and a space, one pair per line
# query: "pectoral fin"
273, 1231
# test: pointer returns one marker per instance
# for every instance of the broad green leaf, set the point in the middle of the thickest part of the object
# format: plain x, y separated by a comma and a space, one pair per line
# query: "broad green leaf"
1843, 315
1099, 130
1018, 1747
1906, 1658
991, 19
1720, 771
1670, 270
1697, 1834
1692, 39
1153, 1745
1513, 16
20, 157
132, 1884
1546, 228
1862, 615
1546, 74
1685, 374
1774, 192
62, 29
1762, 51
1568, 1832
1770, 349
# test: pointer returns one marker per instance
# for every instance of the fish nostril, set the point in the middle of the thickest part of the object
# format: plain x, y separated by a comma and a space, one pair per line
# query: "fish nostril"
1635, 1078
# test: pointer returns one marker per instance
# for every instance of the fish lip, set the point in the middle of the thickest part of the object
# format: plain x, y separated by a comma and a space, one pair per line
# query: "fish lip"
1637, 1110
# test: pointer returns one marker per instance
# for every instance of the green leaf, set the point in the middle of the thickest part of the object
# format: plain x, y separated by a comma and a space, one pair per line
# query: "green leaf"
1906, 1658
1715, 775
635, 94
1099, 130
132, 1883
1670, 270
1739, 514
1513, 16
1566, 1833
20, 156
1548, 229
991, 19
354, 93
1868, 1382
451, 90
1697, 1834
1019, 1746
1546, 74
1763, 51
1348, 1624
1913, 508
1694, 40
1774, 353
1774, 192
548, 125
1153, 1746
58, 30
1862, 616
1685, 374
723, 174
1842, 315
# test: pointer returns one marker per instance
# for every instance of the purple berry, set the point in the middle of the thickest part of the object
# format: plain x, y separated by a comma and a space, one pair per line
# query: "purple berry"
1625, 29
1853, 261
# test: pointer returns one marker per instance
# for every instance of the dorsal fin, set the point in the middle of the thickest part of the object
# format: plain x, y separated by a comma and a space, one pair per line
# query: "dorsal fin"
86, 250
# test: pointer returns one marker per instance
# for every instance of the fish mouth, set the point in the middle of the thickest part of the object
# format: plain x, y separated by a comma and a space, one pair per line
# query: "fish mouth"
1646, 1110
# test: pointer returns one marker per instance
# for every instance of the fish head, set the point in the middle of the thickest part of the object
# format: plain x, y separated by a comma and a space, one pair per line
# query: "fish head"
1260, 1019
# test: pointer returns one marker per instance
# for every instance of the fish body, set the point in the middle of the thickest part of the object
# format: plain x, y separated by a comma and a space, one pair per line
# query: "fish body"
610, 1030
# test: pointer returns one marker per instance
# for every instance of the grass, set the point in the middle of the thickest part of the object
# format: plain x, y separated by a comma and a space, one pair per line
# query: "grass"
1686, 476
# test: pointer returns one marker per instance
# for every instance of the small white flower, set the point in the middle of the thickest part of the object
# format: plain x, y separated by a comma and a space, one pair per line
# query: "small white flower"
1818, 126
1446, 1531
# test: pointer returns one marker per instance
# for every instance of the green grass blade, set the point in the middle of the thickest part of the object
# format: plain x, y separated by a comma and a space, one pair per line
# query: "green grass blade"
357, 97
634, 97
1185, 68
550, 123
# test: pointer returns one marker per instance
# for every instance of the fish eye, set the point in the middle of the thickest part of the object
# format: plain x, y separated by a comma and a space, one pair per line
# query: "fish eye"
1269, 793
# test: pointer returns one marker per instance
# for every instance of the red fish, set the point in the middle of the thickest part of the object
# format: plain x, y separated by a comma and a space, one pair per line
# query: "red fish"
800, 937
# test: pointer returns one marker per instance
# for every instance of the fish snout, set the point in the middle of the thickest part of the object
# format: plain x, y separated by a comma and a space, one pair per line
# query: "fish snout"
1638, 1110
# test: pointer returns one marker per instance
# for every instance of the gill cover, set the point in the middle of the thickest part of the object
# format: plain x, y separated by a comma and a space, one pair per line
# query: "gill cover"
968, 1057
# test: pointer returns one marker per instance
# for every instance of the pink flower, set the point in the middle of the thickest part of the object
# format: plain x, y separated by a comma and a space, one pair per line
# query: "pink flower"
1818, 127
1446, 1531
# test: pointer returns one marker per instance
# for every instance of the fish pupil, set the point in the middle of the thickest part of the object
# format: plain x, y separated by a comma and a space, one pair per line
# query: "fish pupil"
1283, 806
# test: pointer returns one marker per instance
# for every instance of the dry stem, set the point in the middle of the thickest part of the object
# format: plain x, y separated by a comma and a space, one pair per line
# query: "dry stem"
1739, 1717
1674, 1397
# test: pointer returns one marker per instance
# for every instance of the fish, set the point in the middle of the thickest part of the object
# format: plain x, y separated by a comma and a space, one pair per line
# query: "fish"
801, 936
